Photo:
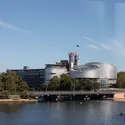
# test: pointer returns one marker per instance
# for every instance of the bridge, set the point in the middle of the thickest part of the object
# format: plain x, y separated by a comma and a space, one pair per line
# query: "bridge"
101, 91
71, 92
79, 95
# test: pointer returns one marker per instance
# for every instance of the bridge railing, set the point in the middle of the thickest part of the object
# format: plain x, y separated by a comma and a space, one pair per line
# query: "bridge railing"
71, 92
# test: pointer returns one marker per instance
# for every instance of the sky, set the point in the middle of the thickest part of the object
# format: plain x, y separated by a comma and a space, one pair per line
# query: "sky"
38, 32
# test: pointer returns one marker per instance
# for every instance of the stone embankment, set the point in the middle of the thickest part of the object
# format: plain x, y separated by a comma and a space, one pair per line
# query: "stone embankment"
16, 98
119, 97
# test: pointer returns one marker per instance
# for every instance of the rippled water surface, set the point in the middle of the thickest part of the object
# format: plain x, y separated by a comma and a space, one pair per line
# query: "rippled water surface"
63, 113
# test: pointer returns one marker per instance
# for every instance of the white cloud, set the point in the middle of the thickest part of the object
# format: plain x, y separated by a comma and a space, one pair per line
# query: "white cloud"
93, 47
107, 47
90, 39
7, 25
117, 46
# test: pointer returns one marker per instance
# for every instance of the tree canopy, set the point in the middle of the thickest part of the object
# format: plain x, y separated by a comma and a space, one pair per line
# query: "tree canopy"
120, 80
67, 83
10, 83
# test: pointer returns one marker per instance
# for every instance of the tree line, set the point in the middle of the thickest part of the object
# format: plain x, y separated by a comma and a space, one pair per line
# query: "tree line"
10, 83
67, 83
120, 80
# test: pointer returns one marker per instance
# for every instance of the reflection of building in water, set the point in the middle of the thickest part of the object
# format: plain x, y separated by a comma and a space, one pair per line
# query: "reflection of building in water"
110, 14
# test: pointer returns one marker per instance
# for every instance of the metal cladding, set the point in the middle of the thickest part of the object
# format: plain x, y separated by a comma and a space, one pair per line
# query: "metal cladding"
76, 59
71, 59
54, 70
94, 70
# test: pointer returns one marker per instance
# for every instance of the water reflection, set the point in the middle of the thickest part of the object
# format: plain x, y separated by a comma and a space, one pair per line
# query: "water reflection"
63, 113
8, 108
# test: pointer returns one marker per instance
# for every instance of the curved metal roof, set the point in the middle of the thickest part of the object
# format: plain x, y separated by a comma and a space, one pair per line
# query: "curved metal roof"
97, 63
87, 66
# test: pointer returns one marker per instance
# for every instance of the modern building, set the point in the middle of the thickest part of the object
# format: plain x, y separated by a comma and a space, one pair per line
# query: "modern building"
33, 77
52, 70
105, 73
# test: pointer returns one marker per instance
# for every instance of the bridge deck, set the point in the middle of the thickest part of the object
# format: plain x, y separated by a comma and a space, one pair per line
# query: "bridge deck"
72, 93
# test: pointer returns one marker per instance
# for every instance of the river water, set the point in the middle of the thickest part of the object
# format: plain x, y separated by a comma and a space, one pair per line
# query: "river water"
63, 113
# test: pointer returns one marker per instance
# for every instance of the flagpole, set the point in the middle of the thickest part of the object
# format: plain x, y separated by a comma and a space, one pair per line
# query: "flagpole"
77, 46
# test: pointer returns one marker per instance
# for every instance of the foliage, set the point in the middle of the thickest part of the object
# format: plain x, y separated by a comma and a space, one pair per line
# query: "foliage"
54, 83
4, 93
120, 80
43, 87
24, 95
67, 83
10, 83
96, 86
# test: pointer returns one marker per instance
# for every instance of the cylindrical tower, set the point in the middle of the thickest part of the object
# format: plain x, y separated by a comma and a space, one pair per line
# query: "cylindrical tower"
76, 59
71, 59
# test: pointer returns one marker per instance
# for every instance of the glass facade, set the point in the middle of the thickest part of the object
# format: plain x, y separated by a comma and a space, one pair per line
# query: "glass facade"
33, 77
104, 83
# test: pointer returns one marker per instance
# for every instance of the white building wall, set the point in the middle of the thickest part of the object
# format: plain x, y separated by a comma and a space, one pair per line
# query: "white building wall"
54, 71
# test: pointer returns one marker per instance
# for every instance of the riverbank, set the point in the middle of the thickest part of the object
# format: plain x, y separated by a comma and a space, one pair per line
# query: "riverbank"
18, 100
119, 100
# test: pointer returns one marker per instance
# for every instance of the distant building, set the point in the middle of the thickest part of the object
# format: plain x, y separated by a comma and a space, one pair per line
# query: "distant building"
33, 77
52, 70
105, 73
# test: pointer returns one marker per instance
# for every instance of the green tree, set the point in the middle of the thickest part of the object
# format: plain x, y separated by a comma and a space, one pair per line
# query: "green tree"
73, 83
88, 84
11, 83
65, 82
24, 95
21, 85
54, 83
96, 84
1, 84
120, 80
4, 94
43, 87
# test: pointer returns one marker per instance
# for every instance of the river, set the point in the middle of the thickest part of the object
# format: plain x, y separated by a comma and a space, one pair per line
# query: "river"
63, 113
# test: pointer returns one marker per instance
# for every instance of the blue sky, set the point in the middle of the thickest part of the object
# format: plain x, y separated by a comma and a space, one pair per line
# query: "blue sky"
37, 32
